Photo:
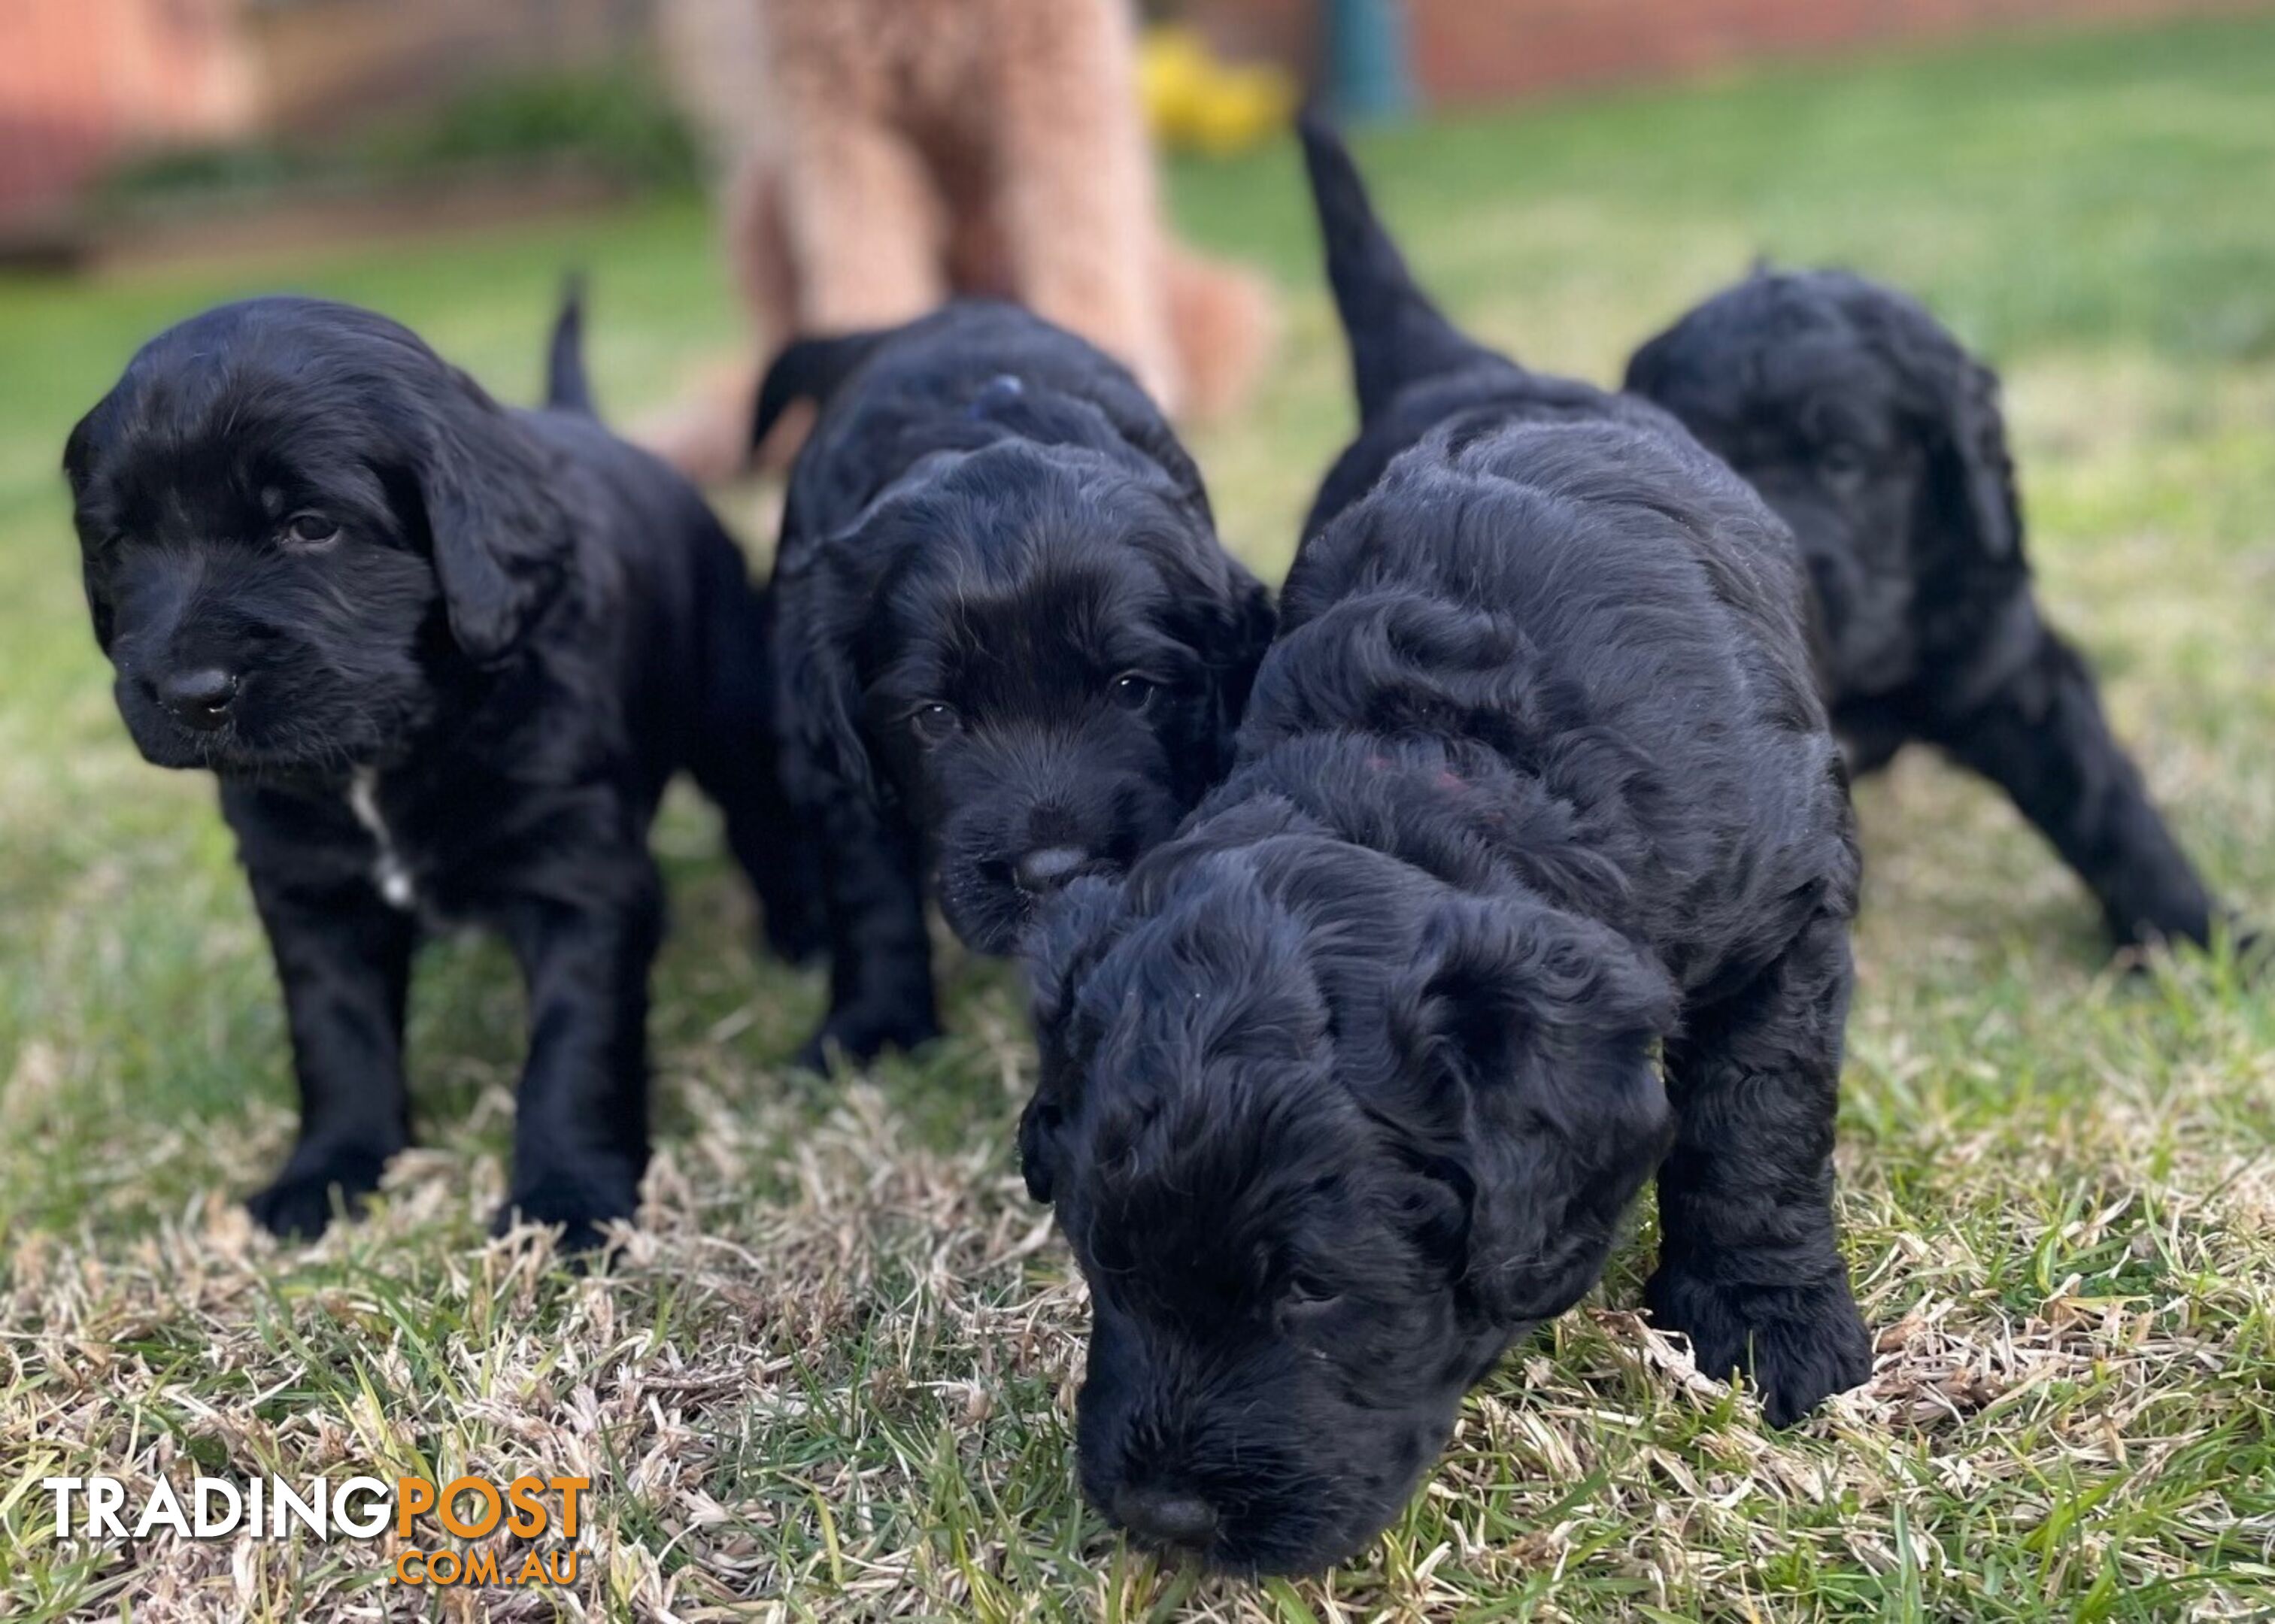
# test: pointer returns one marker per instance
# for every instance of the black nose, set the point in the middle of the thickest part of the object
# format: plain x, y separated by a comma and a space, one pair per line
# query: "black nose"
1167, 1516
1048, 867
198, 698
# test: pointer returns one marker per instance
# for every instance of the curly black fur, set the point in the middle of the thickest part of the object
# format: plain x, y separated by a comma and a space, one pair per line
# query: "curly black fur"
442, 657
1012, 648
1869, 429
1533, 875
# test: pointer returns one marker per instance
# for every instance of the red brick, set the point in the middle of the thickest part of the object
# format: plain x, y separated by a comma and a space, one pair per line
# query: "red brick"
1479, 50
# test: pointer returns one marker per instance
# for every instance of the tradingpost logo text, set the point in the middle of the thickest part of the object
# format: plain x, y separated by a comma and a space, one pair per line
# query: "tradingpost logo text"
544, 1511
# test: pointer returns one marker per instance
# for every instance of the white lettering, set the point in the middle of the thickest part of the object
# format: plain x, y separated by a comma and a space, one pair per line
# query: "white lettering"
61, 1488
369, 1526
308, 1513
207, 1526
104, 1496
161, 1506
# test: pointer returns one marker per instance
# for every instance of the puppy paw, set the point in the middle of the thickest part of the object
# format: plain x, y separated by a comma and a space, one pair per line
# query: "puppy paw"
579, 1200
298, 1206
860, 1035
1800, 1345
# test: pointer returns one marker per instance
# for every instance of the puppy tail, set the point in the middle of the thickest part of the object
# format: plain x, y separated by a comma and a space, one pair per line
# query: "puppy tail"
1398, 336
567, 389
806, 369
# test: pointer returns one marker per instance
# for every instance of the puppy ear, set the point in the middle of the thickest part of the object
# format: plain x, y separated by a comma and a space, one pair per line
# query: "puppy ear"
1541, 1029
79, 454
99, 606
1042, 1129
1970, 475
819, 627
501, 540
1075, 930
78, 450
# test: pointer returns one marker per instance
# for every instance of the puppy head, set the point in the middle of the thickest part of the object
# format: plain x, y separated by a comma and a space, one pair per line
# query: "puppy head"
1873, 435
1324, 1136
293, 516
1044, 655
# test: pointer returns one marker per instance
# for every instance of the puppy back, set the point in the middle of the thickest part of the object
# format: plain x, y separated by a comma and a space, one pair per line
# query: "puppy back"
972, 374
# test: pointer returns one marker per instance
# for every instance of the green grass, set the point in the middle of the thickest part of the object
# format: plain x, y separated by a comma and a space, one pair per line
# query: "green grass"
834, 1373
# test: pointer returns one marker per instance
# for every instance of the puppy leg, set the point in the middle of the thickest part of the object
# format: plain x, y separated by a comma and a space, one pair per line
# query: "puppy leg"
344, 959
735, 761
2041, 737
1749, 1269
880, 992
581, 1118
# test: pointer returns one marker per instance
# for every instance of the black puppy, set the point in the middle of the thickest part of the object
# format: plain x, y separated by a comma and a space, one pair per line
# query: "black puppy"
1533, 875
443, 656
1012, 648
1863, 423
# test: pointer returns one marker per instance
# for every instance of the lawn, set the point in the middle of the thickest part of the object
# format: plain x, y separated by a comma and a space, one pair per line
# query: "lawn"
833, 1374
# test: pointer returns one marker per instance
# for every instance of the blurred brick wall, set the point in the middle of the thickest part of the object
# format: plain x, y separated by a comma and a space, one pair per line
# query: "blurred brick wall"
1284, 31
84, 82
1484, 51
327, 65
80, 80
1481, 50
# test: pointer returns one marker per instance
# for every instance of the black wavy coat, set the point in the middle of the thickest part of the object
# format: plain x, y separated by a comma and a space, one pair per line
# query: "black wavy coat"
444, 656
1532, 877
1012, 651
1880, 440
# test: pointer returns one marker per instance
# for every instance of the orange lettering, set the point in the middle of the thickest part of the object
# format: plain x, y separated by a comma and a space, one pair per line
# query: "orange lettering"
529, 1515
570, 1488
449, 1510
412, 1495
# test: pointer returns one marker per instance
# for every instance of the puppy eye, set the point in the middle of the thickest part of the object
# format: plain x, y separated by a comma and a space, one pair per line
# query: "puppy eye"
1308, 1292
1840, 461
934, 722
310, 530
1132, 692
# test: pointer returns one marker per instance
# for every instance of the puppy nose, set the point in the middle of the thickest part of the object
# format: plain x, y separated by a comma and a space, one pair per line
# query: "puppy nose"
198, 698
1169, 1516
1046, 868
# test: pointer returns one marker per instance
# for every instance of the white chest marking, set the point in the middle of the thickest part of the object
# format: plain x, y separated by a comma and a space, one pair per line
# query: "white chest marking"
388, 872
